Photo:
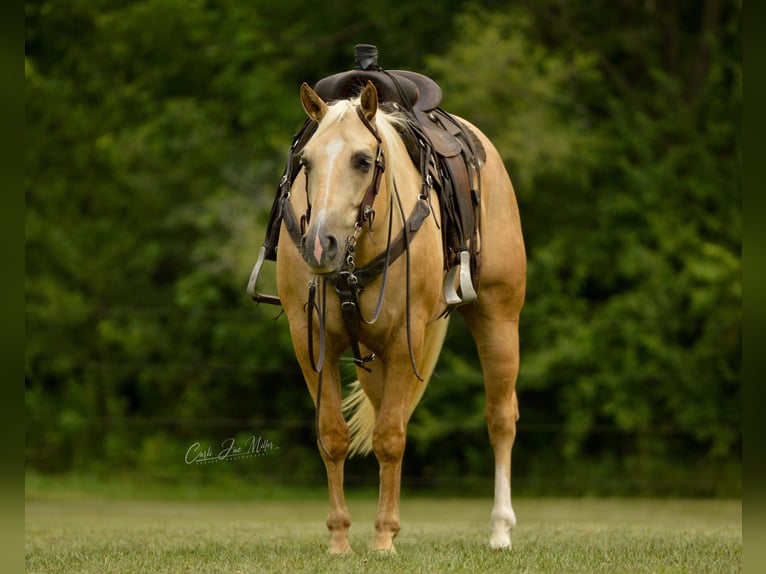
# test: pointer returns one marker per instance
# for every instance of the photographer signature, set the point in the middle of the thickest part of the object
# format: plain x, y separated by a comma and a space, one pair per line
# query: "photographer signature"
229, 450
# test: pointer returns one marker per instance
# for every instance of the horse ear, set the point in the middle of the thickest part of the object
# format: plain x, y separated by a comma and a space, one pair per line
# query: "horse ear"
369, 101
312, 103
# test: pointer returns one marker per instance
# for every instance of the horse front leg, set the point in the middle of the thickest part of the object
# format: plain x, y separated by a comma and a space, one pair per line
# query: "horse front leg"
333, 442
388, 444
388, 441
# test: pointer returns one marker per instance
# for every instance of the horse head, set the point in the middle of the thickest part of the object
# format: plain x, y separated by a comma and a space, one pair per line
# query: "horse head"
342, 164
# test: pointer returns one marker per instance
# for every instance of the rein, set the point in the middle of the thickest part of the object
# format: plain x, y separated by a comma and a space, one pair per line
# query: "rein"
349, 282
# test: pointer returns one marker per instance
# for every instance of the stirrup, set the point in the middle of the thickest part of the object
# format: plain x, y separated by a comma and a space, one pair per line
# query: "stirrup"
260, 297
467, 292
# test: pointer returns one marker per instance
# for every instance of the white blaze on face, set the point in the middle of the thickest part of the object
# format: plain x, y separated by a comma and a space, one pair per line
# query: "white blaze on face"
317, 248
331, 152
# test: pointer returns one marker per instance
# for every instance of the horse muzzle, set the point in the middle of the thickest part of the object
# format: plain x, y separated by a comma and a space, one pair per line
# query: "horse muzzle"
321, 251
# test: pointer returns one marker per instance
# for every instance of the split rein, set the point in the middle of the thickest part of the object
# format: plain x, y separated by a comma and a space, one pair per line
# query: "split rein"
349, 282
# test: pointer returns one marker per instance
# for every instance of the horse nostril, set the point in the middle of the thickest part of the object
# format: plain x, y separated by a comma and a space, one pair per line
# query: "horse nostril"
332, 247
319, 250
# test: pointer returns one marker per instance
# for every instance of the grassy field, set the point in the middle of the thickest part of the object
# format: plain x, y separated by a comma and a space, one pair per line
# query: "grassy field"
103, 534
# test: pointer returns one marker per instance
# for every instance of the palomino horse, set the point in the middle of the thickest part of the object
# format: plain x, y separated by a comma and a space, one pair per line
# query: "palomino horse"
407, 335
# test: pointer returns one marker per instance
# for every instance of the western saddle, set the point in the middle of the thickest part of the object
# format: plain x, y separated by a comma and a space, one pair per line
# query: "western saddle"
446, 151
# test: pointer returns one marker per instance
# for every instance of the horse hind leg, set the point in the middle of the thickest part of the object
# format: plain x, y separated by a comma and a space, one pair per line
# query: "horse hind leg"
502, 434
497, 341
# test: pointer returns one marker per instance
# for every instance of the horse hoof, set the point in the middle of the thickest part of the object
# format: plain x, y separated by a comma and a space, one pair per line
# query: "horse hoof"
391, 551
341, 549
383, 547
500, 541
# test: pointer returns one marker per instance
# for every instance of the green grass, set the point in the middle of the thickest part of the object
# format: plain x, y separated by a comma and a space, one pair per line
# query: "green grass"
87, 534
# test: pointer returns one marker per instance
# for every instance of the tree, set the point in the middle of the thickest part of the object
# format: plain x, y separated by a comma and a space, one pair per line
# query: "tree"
630, 199
156, 132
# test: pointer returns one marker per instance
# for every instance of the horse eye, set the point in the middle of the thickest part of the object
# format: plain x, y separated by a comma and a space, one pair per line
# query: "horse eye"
305, 163
363, 162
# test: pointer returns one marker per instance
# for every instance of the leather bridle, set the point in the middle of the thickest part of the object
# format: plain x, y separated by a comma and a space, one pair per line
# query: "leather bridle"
366, 212
349, 281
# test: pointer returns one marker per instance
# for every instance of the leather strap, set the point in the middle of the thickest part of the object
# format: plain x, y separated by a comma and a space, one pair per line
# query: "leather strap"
292, 166
370, 271
366, 212
320, 309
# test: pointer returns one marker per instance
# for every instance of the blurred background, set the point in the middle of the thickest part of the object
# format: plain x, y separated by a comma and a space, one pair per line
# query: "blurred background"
156, 132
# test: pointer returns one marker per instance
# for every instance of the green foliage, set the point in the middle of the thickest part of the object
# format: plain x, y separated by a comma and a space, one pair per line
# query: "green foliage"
524, 95
631, 210
156, 131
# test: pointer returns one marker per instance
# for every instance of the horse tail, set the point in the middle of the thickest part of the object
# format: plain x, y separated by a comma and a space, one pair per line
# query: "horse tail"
360, 411
361, 421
